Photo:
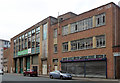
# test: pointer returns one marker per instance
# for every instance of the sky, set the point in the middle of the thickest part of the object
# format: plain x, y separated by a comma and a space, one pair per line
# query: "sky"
18, 15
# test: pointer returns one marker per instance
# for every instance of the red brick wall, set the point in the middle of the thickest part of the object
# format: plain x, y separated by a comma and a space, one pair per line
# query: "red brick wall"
7, 55
106, 29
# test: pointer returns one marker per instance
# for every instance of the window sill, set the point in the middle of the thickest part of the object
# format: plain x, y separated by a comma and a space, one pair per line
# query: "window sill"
101, 47
85, 49
65, 51
84, 30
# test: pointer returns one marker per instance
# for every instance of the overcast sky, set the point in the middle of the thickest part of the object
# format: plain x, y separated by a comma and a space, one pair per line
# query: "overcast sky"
18, 15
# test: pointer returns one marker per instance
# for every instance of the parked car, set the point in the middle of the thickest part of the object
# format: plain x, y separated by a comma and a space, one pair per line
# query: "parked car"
1, 72
60, 74
30, 73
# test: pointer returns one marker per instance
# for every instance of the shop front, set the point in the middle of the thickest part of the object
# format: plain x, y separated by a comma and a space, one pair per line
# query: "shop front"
117, 64
86, 66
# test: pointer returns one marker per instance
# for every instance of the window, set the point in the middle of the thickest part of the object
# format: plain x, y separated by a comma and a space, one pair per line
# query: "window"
88, 43
83, 57
90, 57
55, 33
2, 50
45, 31
100, 41
55, 48
19, 43
74, 27
33, 42
38, 30
33, 32
65, 47
14, 46
25, 43
65, 30
99, 56
100, 19
37, 36
29, 34
22, 42
70, 58
76, 58
33, 38
29, 39
73, 45
81, 44
37, 40
64, 59
81, 25
55, 60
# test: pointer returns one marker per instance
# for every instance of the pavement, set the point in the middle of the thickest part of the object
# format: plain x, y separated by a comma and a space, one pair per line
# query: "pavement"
81, 78
87, 79
19, 78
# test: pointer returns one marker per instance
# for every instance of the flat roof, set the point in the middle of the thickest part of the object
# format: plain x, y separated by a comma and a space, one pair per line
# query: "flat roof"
4, 40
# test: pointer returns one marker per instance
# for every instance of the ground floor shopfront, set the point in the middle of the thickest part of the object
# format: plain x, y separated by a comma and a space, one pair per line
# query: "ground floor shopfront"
89, 66
83, 66
30, 62
92, 66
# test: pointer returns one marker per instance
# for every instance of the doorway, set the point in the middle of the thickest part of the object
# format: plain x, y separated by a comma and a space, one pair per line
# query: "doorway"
35, 68
56, 67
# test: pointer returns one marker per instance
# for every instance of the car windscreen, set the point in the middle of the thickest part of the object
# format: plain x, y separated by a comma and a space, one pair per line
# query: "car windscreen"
62, 71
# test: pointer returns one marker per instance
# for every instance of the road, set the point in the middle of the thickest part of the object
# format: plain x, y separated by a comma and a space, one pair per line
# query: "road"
15, 78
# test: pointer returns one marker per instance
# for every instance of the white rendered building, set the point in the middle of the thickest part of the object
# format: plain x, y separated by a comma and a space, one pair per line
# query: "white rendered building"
4, 44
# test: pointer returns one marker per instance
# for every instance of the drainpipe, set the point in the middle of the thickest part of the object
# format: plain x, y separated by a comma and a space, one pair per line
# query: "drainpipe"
115, 25
115, 41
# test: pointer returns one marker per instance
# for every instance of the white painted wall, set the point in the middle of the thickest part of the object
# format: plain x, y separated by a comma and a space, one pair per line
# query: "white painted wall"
2, 45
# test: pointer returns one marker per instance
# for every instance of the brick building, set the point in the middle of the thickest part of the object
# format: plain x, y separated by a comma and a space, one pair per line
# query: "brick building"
85, 45
7, 61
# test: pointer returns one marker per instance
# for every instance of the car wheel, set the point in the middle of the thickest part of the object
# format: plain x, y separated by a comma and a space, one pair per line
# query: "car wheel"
51, 76
24, 74
29, 75
35, 75
61, 77
70, 78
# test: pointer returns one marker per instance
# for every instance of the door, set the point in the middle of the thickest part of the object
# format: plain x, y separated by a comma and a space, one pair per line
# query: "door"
16, 69
56, 68
35, 68
21, 65
44, 69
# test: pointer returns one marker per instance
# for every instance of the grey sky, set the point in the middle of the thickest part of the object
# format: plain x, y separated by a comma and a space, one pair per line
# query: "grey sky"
18, 15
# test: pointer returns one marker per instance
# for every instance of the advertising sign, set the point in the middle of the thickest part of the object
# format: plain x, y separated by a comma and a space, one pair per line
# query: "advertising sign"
117, 54
24, 52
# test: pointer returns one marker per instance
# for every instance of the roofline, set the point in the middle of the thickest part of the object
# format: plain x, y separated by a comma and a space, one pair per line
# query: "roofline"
88, 11
33, 26
65, 19
4, 40
67, 13
97, 8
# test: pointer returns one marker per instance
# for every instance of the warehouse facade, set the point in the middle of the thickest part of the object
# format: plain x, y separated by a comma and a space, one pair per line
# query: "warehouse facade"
85, 45
30, 48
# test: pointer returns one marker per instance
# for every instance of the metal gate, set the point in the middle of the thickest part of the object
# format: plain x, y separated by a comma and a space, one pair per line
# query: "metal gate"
86, 69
